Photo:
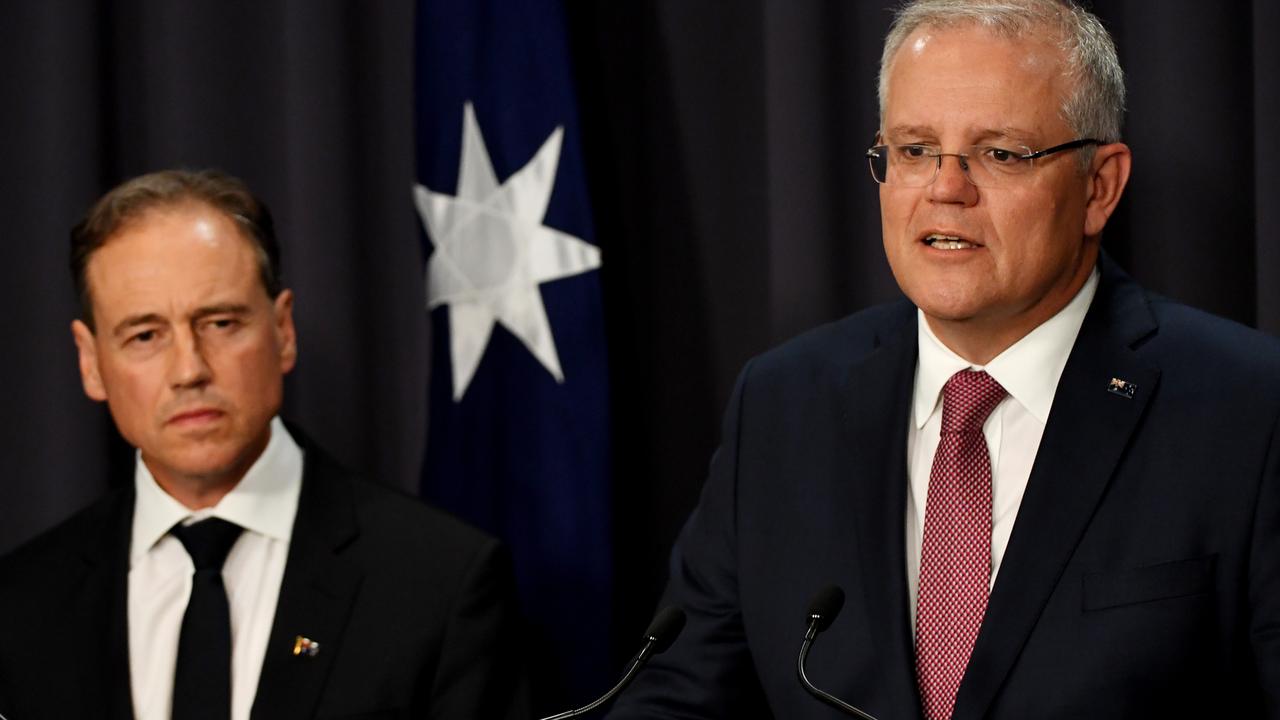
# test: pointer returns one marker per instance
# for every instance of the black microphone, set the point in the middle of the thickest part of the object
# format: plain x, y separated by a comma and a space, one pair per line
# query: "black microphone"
823, 609
661, 633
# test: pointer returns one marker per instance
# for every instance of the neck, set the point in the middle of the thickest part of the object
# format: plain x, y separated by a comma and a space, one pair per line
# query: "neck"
978, 345
195, 493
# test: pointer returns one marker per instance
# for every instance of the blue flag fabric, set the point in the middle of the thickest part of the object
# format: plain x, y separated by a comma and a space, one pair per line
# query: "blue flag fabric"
518, 439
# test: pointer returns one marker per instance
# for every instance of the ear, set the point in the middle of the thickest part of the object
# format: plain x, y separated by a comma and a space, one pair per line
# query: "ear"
286, 336
87, 348
1110, 174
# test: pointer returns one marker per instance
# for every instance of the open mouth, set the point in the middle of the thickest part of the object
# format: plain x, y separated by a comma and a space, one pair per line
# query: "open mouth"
939, 241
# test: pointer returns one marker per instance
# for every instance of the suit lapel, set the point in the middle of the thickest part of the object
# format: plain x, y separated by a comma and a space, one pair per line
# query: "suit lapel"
1083, 442
100, 610
872, 483
316, 595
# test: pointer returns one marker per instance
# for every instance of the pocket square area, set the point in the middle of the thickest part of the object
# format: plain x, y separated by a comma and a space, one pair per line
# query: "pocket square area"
1146, 584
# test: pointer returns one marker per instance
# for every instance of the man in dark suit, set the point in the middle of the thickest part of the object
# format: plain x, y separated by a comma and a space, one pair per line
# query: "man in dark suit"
1045, 492
242, 574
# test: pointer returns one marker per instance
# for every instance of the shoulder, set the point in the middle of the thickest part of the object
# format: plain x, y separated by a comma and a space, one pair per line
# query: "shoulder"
46, 556
1216, 361
39, 579
1224, 375
390, 526
1207, 338
1172, 335
392, 516
1208, 366
826, 352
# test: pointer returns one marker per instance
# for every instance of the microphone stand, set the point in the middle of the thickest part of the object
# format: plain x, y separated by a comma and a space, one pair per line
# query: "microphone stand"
661, 633
822, 695
641, 658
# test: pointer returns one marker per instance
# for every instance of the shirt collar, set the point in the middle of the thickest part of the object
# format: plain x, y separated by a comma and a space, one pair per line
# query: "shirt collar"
265, 500
1029, 369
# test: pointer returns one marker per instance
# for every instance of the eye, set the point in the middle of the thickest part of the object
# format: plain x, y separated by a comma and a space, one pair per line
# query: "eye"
222, 323
914, 152
1000, 156
143, 338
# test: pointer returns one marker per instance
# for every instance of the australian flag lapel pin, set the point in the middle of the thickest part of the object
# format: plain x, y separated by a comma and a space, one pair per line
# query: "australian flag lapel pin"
1123, 388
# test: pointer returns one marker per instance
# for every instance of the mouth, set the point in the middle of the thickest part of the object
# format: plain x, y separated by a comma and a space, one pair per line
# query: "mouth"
947, 241
195, 416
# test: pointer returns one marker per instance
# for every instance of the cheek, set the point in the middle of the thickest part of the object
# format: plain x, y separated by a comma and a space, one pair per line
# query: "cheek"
895, 209
252, 371
134, 396
1027, 224
131, 383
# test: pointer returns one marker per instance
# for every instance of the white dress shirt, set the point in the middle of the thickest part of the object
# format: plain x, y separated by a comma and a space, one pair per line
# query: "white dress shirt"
264, 503
1029, 370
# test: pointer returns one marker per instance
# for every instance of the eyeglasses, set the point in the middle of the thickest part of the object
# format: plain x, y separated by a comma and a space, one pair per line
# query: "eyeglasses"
916, 165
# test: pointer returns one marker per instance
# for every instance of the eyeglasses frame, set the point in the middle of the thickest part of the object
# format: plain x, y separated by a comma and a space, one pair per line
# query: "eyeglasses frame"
963, 158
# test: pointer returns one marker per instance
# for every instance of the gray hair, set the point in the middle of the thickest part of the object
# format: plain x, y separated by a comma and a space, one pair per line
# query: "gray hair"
1094, 108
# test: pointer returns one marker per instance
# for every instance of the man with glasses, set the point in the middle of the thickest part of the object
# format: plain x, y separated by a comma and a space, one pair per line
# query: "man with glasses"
1044, 492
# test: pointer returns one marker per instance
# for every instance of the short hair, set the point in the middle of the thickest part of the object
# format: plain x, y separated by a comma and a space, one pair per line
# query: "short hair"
131, 200
1093, 108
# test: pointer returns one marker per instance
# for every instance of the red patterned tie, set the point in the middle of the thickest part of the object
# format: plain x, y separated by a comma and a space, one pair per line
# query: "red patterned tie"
955, 560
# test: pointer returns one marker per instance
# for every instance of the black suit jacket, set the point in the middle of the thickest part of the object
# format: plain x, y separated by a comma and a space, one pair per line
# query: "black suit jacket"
413, 611
1142, 578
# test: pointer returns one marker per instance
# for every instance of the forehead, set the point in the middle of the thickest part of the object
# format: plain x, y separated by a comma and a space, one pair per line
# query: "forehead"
967, 80
169, 257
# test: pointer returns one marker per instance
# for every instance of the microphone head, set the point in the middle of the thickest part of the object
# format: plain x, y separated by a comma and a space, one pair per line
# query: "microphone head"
825, 606
664, 628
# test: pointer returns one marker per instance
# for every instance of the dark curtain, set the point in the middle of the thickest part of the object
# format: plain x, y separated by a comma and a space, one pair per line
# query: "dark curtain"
724, 145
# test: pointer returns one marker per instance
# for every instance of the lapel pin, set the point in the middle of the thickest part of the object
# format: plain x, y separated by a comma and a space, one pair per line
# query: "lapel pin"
306, 647
1123, 388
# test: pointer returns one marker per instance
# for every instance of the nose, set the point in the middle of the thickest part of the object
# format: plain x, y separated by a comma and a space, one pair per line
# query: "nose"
187, 365
952, 184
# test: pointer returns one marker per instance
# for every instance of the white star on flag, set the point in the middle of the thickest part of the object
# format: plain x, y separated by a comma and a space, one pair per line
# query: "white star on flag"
492, 251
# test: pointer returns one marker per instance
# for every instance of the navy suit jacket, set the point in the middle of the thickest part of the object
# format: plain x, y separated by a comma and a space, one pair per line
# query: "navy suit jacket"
1142, 578
413, 611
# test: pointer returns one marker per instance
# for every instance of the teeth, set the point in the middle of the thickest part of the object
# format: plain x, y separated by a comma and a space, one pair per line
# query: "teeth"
948, 242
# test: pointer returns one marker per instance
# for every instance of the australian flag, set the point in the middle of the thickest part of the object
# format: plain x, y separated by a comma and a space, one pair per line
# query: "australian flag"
519, 409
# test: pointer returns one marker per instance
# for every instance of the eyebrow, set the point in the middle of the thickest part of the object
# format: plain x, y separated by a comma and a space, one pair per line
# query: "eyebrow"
223, 309
908, 130
1008, 132
133, 321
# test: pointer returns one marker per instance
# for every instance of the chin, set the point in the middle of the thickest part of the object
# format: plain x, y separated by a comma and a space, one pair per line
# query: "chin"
216, 463
949, 304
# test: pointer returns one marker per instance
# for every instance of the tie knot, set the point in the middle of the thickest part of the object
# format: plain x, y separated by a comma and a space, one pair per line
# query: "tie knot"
967, 399
207, 541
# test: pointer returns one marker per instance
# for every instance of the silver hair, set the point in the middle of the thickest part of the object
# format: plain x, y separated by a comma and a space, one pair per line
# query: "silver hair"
1095, 105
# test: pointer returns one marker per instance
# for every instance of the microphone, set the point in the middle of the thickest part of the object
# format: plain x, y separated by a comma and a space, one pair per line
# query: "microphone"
823, 609
661, 633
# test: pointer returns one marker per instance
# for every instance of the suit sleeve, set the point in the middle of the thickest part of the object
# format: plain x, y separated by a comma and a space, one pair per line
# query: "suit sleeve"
480, 674
1264, 581
708, 672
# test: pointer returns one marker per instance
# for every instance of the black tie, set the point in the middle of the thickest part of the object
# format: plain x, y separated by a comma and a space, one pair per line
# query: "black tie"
202, 679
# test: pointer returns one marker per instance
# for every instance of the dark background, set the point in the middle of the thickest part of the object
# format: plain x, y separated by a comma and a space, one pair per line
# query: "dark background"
723, 144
